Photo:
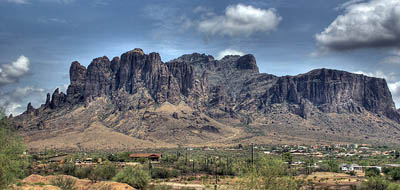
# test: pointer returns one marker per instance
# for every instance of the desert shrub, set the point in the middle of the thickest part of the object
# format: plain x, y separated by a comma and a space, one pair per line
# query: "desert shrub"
123, 157
68, 168
12, 160
395, 174
375, 183
393, 186
269, 174
162, 187
134, 176
64, 183
333, 166
352, 173
141, 160
53, 167
103, 172
83, 172
386, 170
94, 175
163, 173
372, 172
106, 171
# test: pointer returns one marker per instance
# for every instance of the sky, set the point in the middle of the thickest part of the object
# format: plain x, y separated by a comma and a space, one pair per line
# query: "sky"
39, 39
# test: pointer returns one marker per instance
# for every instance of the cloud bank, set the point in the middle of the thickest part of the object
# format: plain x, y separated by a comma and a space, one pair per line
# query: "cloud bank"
17, 1
15, 101
240, 20
369, 24
11, 73
226, 52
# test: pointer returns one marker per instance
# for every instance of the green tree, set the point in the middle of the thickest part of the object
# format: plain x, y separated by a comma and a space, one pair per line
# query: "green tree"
134, 176
375, 183
395, 174
83, 172
287, 157
269, 174
372, 172
12, 160
103, 172
64, 183
68, 168
309, 163
333, 166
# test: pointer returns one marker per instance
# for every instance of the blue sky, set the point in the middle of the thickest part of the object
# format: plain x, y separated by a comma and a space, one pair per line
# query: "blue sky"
40, 38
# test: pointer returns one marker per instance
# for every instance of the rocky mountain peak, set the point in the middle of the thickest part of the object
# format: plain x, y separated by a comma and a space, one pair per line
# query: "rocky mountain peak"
137, 94
197, 78
247, 62
194, 58
137, 50
30, 108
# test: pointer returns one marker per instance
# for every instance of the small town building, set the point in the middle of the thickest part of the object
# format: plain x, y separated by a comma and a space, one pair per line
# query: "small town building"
351, 167
150, 156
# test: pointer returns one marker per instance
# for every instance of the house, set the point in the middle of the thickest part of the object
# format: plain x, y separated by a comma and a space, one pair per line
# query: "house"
344, 167
352, 167
149, 156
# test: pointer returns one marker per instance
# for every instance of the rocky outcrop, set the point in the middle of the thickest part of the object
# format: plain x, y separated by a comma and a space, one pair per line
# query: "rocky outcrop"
231, 87
29, 108
247, 62
335, 91
48, 100
58, 99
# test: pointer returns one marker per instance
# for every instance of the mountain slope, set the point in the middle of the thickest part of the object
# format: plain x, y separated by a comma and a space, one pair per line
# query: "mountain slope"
136, 101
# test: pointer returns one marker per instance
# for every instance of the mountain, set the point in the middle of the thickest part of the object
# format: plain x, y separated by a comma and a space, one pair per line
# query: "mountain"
137, 101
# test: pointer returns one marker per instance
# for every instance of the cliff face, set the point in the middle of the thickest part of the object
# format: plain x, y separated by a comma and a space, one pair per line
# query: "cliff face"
231, 88
335, 91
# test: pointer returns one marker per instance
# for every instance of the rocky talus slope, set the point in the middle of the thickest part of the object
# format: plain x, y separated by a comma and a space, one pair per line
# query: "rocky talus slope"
138, 101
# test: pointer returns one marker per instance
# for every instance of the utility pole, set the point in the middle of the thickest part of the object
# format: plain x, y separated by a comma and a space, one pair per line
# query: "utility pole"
193, 166
150, 167
252, 154
216, 175
186, 157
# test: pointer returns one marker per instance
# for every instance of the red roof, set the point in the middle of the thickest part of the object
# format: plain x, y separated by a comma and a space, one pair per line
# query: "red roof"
144, 155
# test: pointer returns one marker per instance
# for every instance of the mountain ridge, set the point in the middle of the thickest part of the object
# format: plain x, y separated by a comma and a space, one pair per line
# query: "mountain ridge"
226, 101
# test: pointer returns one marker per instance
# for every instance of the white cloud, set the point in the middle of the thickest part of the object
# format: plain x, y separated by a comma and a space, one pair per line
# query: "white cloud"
17, 1
348, 3
395, 90
369, 24
240, 20
202, 9
379, 74
226, 52
11, 73
47, 1
52, 20
15, 101
393, 58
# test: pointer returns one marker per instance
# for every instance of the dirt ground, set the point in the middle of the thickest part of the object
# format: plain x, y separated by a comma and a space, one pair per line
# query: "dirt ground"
37, 182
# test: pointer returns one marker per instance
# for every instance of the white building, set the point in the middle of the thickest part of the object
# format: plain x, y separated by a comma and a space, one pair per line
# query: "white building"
352, 167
